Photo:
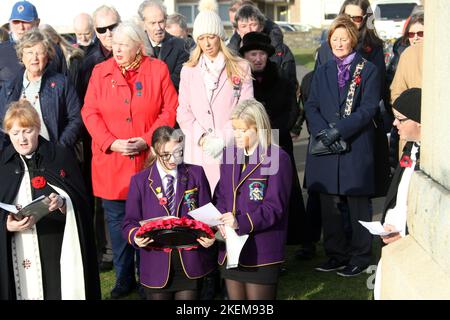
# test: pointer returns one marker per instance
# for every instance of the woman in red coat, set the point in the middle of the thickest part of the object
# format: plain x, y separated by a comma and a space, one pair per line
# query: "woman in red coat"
128, 97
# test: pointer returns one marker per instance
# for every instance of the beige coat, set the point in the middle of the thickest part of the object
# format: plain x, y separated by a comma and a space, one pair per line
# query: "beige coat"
409, 71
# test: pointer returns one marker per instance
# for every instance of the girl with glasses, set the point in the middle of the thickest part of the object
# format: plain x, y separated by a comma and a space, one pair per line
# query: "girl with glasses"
168, 187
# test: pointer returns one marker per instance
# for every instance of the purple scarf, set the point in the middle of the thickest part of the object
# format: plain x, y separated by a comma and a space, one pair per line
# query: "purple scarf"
343, 66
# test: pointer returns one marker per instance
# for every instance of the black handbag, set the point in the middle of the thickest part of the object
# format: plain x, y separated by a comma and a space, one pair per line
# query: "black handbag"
317, 148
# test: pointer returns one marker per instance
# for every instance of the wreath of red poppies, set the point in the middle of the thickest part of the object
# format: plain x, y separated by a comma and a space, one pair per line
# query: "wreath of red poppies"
168, 224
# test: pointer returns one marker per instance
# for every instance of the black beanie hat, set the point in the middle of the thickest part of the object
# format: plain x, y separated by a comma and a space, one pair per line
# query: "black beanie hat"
409, 103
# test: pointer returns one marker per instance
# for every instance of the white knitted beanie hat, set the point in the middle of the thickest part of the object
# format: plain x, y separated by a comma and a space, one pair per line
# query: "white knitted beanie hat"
207, 20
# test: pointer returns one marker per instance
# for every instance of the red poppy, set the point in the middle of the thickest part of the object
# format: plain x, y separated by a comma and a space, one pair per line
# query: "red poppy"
405, 162
163, 201
368, 49
38, 182
62, 173
53, 84
279, 54
236, 80
358, 80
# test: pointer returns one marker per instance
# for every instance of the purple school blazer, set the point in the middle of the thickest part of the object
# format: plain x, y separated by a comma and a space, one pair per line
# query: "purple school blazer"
192, 192
259, 198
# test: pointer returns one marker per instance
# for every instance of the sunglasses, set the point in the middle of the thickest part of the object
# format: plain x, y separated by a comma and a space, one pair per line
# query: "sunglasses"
413, 34
356, 19
102, 30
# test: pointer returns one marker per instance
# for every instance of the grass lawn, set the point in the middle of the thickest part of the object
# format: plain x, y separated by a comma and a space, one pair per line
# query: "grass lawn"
300, 281
304, 57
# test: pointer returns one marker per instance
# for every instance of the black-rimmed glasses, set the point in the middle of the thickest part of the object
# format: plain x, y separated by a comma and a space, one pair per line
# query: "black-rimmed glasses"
176, 154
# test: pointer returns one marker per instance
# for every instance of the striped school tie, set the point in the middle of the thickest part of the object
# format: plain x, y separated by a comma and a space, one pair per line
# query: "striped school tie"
170, 194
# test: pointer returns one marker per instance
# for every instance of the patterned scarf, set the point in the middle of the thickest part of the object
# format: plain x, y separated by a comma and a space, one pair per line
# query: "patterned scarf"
132, 66
343, 66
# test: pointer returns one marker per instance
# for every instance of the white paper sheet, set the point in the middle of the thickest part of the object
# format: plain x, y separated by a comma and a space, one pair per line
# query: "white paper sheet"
207, 214
376, 228
234, 244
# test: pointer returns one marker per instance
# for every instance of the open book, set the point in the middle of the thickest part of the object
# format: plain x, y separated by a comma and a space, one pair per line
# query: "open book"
37, 208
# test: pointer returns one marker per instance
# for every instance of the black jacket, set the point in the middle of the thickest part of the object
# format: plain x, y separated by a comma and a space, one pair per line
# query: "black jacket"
277, 94
391, 196
59, 104
174, 52
52, 159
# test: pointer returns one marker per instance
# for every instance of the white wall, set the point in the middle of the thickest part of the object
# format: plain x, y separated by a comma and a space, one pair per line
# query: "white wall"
60, 13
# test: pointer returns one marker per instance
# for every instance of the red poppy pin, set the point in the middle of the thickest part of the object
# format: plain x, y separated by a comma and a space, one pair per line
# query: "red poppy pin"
358, 80
62, 173
236, 80
38, 182
163, 201
405, 162
53, 84
279, 53
368, 49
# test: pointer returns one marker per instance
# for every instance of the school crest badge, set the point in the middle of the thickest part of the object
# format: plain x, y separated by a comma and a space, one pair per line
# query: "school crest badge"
257, 190
190, 199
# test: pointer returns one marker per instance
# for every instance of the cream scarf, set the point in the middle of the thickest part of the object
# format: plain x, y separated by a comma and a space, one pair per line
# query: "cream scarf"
211, 72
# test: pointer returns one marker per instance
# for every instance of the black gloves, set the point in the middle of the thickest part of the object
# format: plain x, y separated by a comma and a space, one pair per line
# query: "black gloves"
328, 136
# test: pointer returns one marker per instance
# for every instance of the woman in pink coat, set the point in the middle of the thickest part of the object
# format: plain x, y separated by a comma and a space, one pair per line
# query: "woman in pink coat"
212, 82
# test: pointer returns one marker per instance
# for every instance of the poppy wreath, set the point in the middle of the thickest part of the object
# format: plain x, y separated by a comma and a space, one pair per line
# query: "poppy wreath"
168, 224
38, 182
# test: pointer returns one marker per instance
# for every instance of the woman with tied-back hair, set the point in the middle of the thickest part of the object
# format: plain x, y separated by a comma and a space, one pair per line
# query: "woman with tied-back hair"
128, 97
212, 82
369, 46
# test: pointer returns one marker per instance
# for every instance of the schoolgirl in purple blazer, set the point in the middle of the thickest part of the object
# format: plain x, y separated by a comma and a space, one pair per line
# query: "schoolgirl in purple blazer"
253, 195
168, 187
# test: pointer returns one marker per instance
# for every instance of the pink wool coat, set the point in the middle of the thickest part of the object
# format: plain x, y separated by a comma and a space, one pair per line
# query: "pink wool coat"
196, 115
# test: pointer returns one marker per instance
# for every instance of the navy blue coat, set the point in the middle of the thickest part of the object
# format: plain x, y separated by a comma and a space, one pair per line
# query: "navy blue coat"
374, 55
351, 173
59, 104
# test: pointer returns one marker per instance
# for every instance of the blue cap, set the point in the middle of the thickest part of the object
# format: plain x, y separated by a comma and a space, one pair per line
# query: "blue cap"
24, 11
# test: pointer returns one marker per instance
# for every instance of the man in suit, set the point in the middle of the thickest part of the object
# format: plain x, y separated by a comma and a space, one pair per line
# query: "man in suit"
161, 44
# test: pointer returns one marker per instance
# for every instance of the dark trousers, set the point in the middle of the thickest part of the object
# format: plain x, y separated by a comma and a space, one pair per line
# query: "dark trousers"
356, 250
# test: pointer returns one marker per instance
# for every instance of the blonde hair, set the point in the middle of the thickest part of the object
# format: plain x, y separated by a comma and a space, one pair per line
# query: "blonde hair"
232, 61
343, 21
253, 113
68, 50
23, 112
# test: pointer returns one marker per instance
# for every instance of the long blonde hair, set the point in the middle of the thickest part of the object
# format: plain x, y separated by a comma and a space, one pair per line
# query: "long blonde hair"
232, 61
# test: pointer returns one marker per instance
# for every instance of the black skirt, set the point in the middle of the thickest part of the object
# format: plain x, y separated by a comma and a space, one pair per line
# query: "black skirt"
259, 275
178, 281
